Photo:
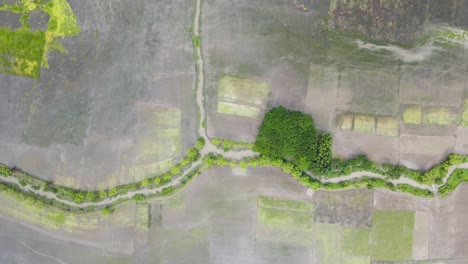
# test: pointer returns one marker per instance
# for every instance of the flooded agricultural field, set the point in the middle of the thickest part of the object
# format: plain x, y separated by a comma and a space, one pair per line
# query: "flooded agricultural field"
257, 216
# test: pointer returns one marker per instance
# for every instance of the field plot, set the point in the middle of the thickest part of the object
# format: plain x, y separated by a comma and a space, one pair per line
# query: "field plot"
321, 95
387, 126
357, 242
421, 236
379, 148
393, 22
284, 220
159, 139
425, 151
243, 97
461, 143
440, 116
460, 218
464, 116
327, 243
392, 235
369, 91
412, 115
346, 122
432, 86
351, 208
268, 43
364, 123
355, 260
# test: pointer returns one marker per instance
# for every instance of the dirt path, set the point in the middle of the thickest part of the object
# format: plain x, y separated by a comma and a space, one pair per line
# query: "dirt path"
210, 148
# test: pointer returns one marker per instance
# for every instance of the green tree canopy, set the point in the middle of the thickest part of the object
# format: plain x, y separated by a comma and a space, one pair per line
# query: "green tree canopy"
288, 135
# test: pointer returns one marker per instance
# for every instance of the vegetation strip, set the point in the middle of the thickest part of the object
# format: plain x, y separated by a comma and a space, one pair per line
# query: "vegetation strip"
287, 140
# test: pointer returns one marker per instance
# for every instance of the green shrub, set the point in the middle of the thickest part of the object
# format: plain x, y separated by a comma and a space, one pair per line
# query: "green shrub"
5, 171
108, 210
167, 191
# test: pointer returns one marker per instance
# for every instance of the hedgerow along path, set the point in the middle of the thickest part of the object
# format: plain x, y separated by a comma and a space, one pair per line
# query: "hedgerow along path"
234, 158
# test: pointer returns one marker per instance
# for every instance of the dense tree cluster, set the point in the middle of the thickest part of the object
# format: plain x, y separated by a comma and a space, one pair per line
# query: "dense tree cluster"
292, 136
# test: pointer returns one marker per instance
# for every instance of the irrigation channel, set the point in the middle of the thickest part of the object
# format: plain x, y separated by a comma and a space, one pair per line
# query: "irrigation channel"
210, 148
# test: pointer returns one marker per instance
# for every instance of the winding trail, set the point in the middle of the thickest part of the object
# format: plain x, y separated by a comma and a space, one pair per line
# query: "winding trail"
210, 148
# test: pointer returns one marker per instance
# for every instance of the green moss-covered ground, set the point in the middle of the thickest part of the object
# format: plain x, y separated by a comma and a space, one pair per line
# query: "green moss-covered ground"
22, 51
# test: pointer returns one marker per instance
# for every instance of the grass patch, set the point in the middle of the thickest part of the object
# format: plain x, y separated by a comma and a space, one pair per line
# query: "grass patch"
21, 52
283, 219
387, 126
240, 110
392, 237
357, 241
412, 115
278, 203
440, 116
247, 91
364, 123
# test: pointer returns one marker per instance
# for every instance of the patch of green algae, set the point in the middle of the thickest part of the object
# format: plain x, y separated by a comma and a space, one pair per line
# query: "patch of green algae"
23, 52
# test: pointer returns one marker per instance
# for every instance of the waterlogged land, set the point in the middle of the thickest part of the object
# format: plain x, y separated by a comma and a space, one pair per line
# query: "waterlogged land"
232, 90
247, 214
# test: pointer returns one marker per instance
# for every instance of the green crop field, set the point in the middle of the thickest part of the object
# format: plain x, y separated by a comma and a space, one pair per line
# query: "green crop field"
271, 202
440, 116
277, 218
412, 115
387, 126
236, 109
392, 236
242, 97
364, 123
238, 90
347, 122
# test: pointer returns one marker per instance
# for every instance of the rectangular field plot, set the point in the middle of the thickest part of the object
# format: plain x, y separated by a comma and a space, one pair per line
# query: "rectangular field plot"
278, 218
464, 116
428, 85
242, 97
321, 94
357, 241
247, 91
368, 91
327, 244
421, 236
387, 126
364, 123
158, 138
346, 122
271, 202
236, 109
440, 116
412, 115
392, 236
460, 218
284, 221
